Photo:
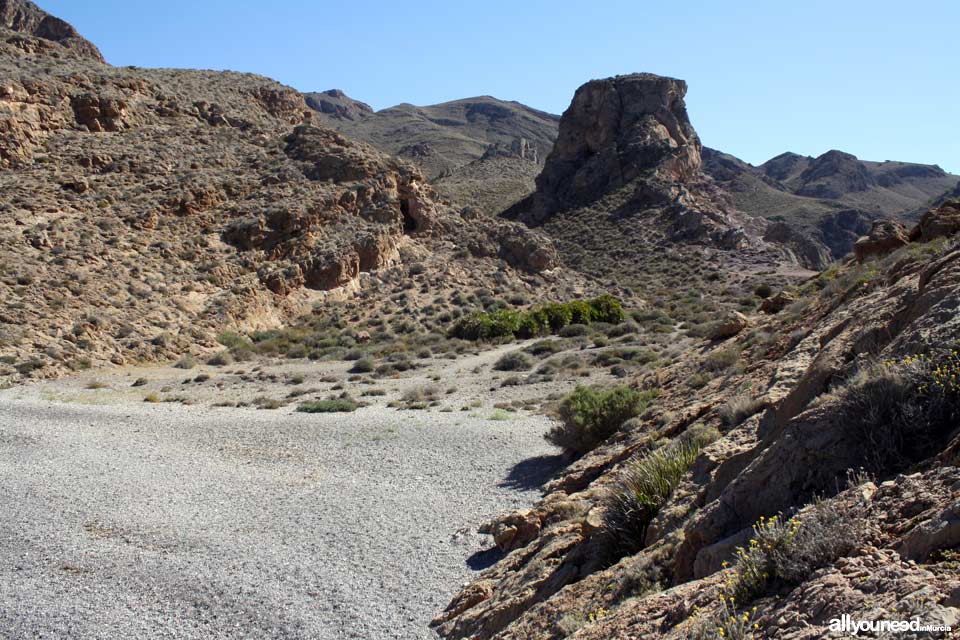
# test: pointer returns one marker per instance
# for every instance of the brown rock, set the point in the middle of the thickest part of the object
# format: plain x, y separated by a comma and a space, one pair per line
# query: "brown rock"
777, 303
885, 236
942, 221
731, 325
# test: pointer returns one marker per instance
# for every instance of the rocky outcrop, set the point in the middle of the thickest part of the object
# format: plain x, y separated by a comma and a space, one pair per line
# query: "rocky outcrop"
884, 237
937, 223
615, 131
337, 104
25, 17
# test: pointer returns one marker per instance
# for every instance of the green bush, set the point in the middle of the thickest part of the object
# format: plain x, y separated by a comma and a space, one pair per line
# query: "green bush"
588, 416
644, 487
538, 321
336, 405
232, 340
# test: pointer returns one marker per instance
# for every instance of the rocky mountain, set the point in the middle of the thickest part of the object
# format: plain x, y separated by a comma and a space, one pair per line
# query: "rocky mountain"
831, 199
623, 196
146, 210
481, 152
22, 16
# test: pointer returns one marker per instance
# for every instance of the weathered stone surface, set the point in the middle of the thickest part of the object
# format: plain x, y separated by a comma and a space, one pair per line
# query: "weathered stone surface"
729, 326
778, 302
942, 221
617, 130
885, 236
25, 17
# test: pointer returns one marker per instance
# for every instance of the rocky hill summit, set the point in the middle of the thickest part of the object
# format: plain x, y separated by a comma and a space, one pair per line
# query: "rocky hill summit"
826, 203
146, 210
630, 135
23, 16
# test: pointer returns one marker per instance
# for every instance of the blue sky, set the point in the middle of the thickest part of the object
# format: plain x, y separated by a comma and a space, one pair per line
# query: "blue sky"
876, 78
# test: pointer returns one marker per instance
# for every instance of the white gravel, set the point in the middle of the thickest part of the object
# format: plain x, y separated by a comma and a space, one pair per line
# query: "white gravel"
165, 521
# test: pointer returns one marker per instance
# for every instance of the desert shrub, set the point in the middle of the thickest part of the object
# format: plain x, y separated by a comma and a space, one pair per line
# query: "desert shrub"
514, 361
789, 550
721, 359
335, 405
232, 340
186, 362
363, 365
427, 393
739, 408
549, 347
588, 416
574, 330
900, 411
645, 484
763, 290
220, 359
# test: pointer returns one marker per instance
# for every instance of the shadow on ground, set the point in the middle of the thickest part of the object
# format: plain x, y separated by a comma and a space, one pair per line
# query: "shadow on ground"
484, 559
532, 473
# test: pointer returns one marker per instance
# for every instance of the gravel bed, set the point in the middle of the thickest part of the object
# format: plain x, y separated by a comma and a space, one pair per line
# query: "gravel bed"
165, 521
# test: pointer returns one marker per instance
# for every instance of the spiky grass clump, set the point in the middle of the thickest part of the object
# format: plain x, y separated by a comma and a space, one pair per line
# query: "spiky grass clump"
645, 485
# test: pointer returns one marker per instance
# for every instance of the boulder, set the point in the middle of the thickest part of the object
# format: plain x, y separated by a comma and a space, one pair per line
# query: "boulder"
777, 303
885, 236
731, 325
942, 221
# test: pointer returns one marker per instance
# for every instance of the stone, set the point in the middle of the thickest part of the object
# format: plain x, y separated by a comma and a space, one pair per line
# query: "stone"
729, 326
885, 236
778, 302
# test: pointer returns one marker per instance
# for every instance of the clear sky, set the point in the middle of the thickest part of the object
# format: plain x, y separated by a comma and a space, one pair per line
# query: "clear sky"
876, 78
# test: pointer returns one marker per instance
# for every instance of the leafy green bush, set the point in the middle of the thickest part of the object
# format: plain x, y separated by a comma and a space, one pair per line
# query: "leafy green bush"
644, 487
232, 340
336, 405
537, 321
588, 416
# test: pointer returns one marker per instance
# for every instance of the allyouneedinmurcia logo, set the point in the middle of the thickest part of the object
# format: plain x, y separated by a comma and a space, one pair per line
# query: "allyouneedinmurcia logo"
846, 624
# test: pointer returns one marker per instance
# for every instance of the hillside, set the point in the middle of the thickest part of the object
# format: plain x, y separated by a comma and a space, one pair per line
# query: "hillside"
788, 472
832, 198
144, 211
481, 152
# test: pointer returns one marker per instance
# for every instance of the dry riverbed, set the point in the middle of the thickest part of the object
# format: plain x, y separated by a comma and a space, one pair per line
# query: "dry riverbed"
184, 519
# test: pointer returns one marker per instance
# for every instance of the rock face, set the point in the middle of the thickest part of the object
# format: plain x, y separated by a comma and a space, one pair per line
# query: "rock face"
884, 237
337, 104
939, 222
27, 18
615, 131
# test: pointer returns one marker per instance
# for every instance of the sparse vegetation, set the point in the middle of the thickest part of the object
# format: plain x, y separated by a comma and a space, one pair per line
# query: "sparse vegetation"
900, 410
334, 405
